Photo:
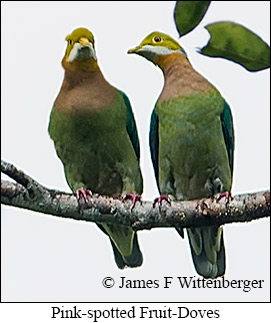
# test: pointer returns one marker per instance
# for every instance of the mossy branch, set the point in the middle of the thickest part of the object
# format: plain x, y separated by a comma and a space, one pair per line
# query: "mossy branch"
26, 193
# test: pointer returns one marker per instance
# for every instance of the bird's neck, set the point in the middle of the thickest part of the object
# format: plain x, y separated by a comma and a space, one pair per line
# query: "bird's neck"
89, 65
73, 78
84, 92
166, 62
180, 77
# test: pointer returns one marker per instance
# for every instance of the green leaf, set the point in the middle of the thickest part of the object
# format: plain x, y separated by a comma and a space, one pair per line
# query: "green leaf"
188, 14
238, 44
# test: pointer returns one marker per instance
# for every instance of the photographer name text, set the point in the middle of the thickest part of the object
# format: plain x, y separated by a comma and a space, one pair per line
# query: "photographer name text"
184, 282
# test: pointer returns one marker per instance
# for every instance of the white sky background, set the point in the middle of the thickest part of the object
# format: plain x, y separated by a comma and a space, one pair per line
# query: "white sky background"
45, 258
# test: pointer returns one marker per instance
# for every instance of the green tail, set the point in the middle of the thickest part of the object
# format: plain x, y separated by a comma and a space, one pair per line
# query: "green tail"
208, 252
125, 245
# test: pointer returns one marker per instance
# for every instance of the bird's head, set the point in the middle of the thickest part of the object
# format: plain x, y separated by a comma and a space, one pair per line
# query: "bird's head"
156, 46
80, 53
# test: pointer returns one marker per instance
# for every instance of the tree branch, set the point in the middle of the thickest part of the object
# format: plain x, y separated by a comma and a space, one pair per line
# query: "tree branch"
28, 194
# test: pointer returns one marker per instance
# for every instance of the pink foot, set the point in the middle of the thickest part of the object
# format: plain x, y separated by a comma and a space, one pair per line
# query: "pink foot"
84, 193
227, 196
134, 197
160, 199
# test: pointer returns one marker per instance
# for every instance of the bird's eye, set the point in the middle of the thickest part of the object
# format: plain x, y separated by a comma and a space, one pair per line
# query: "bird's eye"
157, 39
69, 41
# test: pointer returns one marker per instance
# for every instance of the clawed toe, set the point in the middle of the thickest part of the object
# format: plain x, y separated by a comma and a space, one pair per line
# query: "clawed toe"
160, 199
84, 193
226, 195
133, 197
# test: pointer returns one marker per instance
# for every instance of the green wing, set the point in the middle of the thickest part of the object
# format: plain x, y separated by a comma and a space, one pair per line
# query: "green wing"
131, 125
227, 127
154, 144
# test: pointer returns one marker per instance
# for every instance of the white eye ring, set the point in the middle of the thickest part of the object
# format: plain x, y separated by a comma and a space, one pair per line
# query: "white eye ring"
69, 41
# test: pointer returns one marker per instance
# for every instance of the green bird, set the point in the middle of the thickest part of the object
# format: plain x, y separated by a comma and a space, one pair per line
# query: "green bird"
191, 142
95, 136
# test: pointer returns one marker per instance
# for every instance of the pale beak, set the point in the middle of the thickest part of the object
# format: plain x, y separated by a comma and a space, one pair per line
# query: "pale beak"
134, 50
84, 42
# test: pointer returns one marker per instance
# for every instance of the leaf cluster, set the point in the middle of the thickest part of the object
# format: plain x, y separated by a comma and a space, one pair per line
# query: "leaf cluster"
228, 40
